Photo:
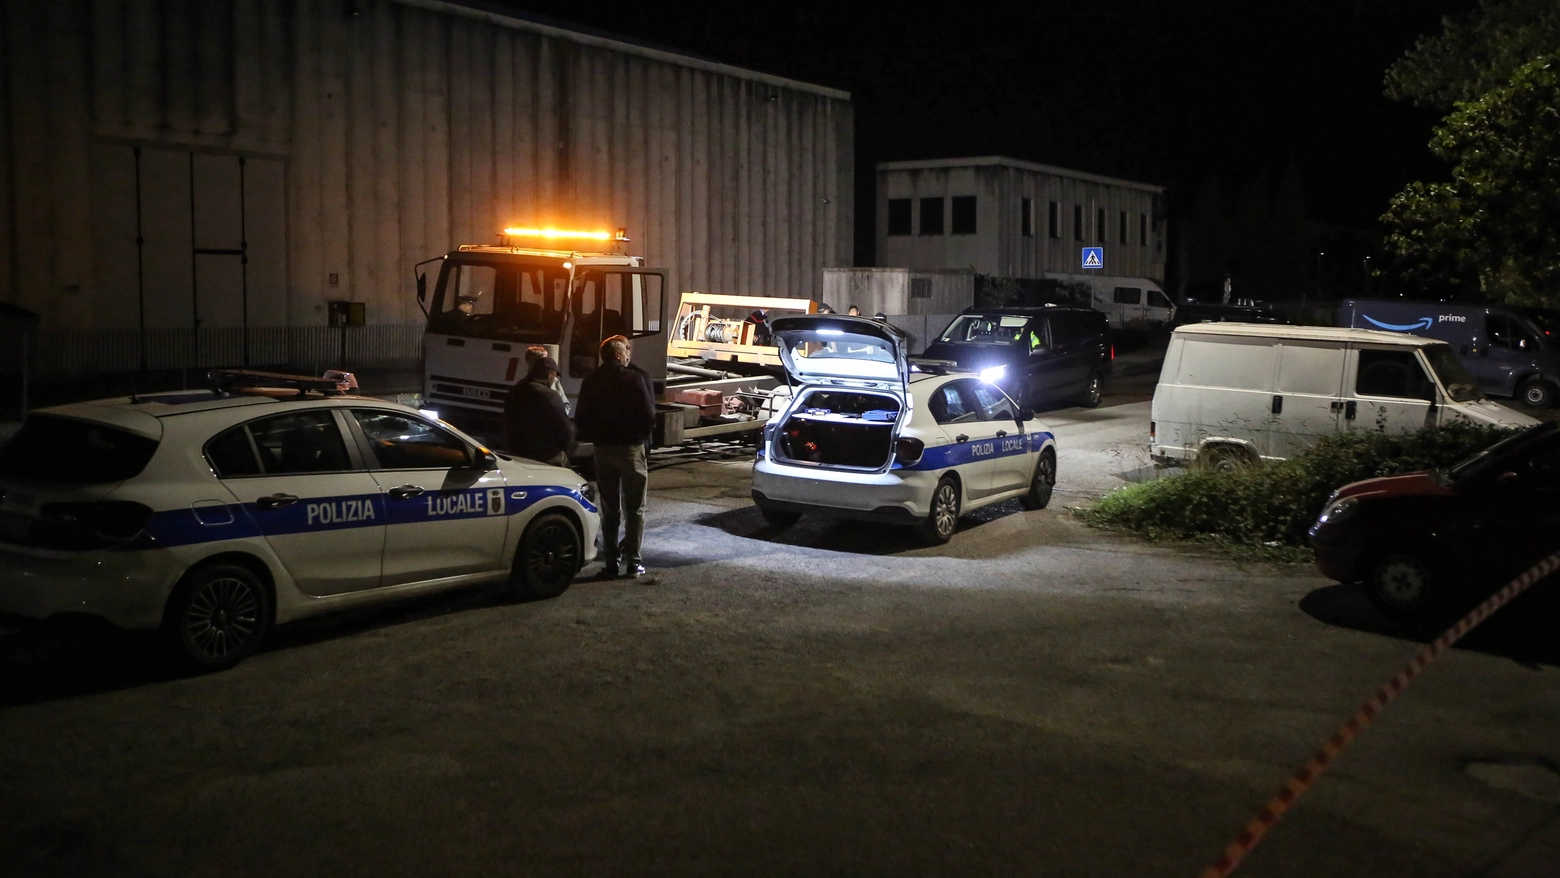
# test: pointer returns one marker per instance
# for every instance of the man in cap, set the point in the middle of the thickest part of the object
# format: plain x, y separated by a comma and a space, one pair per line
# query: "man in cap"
616, 414
536, 352
535, 424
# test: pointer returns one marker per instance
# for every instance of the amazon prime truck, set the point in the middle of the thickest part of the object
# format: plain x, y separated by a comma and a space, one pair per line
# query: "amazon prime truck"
1507, 354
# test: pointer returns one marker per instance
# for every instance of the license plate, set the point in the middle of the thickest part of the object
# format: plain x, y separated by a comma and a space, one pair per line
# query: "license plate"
14, 528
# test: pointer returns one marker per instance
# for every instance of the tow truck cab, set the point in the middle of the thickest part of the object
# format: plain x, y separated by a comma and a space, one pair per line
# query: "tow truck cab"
486, 304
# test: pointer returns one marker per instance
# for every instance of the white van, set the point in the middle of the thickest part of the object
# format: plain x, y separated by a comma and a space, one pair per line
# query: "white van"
1242, 392
1128, 302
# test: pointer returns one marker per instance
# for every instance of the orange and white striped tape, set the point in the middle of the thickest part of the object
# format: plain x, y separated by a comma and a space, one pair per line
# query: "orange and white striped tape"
1308, 773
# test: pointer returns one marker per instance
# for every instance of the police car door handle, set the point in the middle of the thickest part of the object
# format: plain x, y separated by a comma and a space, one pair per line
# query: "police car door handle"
1001, 433
961, 438
276, 501
402, 492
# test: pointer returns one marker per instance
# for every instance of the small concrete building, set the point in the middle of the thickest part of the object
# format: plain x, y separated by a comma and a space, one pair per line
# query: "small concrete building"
187, 183
1012, 218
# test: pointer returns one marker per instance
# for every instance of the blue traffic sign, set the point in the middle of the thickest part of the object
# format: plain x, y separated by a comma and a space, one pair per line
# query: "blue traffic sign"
1094, 257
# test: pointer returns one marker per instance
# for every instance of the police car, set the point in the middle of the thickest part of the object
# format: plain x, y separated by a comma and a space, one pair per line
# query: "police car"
212, 515
868, 436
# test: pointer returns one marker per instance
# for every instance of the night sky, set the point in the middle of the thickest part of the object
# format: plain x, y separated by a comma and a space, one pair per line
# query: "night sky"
1154, 90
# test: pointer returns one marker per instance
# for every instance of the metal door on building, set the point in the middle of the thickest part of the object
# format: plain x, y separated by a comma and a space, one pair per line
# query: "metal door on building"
191, 252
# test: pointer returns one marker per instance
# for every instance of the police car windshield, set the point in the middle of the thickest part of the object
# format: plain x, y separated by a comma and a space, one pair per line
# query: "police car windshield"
985, 329
67, 451
1455, 377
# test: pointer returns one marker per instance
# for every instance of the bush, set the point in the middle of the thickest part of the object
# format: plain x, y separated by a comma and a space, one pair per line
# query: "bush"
1278, 503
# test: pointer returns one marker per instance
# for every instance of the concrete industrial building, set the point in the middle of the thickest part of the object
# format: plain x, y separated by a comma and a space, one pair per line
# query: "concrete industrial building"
190, 182
1012, 218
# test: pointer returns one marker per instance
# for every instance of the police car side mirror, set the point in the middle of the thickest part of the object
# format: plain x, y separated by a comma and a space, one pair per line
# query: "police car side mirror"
487, 461
1025, 414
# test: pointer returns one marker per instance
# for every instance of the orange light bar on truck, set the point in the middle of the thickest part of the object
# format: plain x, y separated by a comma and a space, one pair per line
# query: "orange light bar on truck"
560, 234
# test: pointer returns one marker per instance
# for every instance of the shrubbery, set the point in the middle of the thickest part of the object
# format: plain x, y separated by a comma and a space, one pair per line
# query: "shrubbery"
1278, 503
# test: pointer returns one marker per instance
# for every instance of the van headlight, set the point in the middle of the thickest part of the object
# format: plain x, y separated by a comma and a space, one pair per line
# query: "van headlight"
1339, 510
993, 374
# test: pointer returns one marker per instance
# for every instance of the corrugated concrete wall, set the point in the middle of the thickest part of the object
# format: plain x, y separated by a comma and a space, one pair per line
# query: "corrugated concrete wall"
899, 290
401, 131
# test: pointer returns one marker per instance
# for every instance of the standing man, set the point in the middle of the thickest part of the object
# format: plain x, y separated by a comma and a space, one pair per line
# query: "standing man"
535, 424
532, 355
616, 413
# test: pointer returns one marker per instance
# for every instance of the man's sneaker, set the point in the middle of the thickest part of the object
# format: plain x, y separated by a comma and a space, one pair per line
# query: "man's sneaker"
609, 569
634, 571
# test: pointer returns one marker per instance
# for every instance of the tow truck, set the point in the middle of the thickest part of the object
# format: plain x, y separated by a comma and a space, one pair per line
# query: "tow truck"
567, 290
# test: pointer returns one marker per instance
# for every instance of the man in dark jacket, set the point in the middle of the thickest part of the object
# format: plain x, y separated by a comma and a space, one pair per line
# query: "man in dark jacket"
615, 412
535, 423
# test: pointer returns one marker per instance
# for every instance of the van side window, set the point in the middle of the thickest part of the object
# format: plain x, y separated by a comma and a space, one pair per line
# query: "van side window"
1391, 373
1508, 333
1064, 330
1158, 299
1129, 296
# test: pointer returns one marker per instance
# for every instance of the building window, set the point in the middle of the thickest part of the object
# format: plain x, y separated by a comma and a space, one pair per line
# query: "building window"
963, 215
920, 288
1026, 217
1124, 237
1054, 218
931, 216
1099, 226
1143, 229
899, 216
1077, 222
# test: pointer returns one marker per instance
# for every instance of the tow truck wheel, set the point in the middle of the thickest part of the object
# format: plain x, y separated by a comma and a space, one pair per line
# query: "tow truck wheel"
547, 558
1403, 585
943, 519
1040, 486
216, 617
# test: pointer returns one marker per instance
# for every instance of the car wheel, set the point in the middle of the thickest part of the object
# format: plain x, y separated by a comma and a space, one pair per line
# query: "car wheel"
1538, 393
1224, 459
943, 518
1404, 585
1041, 484
779, 517
548, 557
1091, 395
216, 617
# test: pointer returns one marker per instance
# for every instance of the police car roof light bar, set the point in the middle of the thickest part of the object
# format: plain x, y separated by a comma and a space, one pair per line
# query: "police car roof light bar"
239, 380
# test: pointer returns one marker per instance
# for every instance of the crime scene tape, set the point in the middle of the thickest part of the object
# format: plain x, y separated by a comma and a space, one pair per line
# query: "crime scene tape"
1302, 779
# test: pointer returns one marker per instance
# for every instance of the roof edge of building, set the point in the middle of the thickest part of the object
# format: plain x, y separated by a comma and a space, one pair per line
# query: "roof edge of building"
978, 161
669, 56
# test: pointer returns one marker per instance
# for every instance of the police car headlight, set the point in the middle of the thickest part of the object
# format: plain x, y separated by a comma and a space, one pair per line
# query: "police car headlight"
992, 374
1339, 510
588, 491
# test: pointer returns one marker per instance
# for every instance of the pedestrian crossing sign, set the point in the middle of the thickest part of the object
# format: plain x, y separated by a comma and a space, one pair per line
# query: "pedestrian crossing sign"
1094, 257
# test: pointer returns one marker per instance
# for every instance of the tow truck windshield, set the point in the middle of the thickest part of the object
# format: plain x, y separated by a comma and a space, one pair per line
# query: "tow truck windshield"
506, 300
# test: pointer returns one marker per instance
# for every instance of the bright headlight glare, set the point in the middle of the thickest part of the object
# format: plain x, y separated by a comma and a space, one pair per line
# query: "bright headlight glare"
1339, 510
993, 373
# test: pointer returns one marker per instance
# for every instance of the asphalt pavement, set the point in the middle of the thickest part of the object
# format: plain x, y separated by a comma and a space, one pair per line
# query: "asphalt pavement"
1034, 698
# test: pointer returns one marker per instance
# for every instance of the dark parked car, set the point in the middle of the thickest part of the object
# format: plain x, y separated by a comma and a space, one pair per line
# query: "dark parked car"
1218, 312
1430, 543
1049, 353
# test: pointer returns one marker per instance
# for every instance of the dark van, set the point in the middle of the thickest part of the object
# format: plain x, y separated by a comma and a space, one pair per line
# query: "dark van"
1047, 354
1505, 351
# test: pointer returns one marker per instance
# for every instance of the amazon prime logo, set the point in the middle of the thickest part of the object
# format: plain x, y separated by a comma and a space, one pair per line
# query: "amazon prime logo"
1421, 323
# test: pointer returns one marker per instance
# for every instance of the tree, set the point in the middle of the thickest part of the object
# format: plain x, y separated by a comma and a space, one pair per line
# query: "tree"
1495, 226
1475, 53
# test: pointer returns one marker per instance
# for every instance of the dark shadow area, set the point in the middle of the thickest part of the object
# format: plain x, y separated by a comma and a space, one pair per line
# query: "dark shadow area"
55, 660
838, 534
1523, 631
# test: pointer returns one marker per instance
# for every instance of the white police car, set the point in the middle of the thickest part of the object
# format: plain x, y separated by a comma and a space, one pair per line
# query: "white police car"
212, 515
868, 436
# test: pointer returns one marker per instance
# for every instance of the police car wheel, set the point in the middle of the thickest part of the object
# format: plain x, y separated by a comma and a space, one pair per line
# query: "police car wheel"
1041, 484
943, 518
217, 616
548, 557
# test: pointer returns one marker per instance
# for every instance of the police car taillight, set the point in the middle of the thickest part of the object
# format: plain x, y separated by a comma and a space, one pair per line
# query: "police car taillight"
112, 520
909, 450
